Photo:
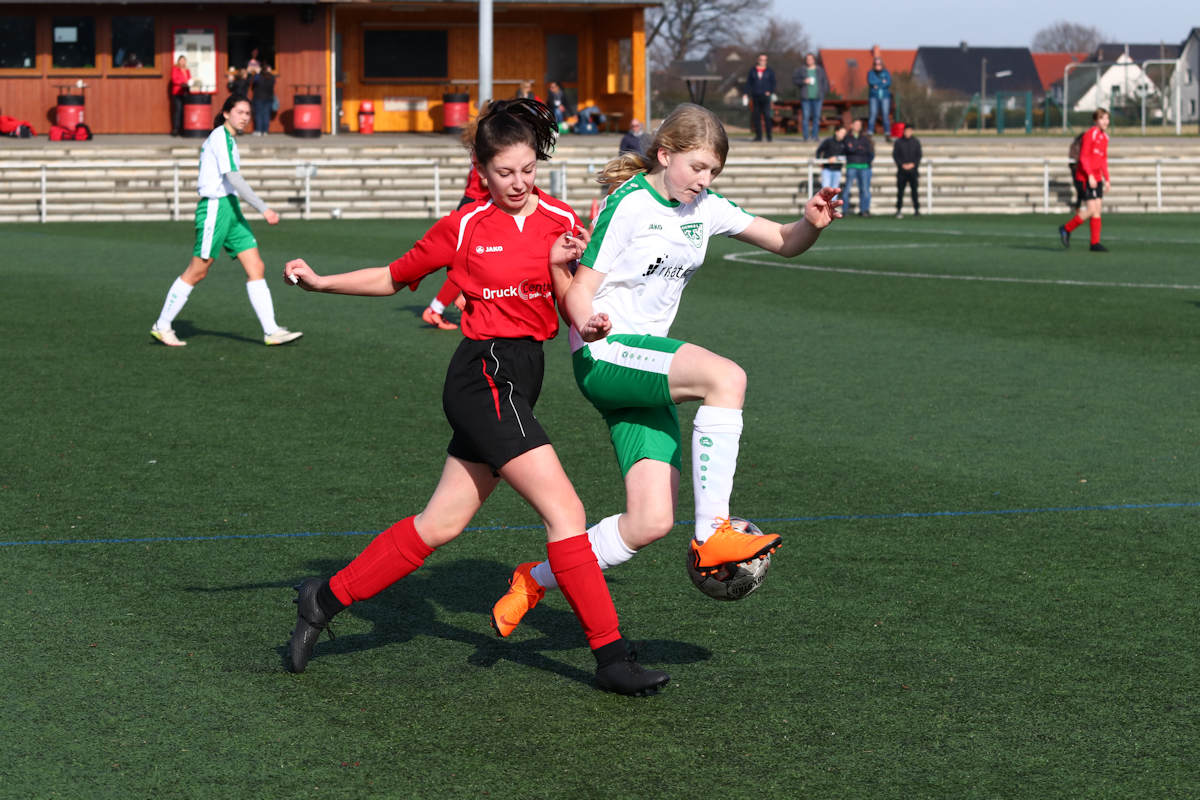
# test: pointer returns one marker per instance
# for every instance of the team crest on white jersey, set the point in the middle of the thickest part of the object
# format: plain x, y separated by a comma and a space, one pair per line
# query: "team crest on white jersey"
694, 232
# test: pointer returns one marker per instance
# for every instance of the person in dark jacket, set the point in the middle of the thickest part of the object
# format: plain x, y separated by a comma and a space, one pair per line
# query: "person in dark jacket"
634, 140
860, 152
906, 152
832, 155
262, 83
813, 84
760, 90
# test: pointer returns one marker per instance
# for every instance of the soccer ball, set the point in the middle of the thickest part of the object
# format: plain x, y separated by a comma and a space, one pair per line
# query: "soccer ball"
732, 581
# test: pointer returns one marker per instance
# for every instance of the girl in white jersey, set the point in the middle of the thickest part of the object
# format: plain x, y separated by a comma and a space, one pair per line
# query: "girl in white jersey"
220, 224
650, 238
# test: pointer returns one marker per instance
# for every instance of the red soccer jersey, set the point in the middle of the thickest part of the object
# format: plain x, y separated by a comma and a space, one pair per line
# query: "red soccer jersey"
500, 262
475, 188
1093, 156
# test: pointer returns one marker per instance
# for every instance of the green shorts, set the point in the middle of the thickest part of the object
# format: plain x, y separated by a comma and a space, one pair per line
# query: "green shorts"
625, 378
220, 224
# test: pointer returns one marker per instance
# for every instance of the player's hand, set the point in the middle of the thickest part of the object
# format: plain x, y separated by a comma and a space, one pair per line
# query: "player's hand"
271, 217
823, 208
569, 247
297, 272
1091, 182
597, 327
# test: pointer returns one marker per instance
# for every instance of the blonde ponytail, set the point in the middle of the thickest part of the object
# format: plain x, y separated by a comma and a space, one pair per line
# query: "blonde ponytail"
688, 127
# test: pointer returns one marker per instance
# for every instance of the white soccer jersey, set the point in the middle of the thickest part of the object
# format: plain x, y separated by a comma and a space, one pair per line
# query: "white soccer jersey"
648, 248
218, 156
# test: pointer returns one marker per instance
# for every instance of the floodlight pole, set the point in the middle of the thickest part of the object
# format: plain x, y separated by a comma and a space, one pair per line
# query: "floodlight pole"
982, 88
485, 52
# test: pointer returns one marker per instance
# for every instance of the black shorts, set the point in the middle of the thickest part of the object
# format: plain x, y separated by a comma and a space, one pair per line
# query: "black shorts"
1083, 192
490, 391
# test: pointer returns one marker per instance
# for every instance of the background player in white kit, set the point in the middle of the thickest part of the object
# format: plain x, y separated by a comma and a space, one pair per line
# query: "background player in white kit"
220, 224
650, 238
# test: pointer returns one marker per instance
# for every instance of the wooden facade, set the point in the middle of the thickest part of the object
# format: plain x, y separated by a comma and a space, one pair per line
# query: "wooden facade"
607, 38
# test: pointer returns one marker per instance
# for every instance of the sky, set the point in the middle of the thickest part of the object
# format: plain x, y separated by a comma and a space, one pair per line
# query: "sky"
904, 25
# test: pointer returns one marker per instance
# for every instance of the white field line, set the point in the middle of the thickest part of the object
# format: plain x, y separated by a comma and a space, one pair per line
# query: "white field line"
754, 258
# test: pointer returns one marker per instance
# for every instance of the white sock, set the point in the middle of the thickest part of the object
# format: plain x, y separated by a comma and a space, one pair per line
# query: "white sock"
607, 544
716, 434
437, 305
260, 298
177, 296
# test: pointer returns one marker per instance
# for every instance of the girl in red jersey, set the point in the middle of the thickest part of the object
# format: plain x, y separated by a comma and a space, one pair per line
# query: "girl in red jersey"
1091, 180
509, 255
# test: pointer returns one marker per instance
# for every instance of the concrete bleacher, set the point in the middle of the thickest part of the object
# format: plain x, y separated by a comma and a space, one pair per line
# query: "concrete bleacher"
393, 175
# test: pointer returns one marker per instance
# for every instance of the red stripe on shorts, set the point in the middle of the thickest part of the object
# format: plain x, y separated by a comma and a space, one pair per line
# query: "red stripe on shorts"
492, 384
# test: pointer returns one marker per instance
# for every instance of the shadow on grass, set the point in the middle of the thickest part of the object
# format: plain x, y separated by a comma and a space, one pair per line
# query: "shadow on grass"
186, 330
410, 608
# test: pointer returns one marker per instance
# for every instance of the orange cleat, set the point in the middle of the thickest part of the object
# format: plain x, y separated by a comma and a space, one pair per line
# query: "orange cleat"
728, 545
435, 319
523, 594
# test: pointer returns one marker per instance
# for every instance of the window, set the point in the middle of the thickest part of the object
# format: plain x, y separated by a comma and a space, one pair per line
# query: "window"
18, 47
562, 59
73, 45
405, 54
133, 42
620, 65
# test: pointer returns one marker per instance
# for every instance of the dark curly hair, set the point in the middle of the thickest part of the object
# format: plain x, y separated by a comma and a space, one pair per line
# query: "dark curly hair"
509, 122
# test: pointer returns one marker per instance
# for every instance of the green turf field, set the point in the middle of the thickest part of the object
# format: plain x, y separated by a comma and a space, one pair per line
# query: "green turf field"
982, 452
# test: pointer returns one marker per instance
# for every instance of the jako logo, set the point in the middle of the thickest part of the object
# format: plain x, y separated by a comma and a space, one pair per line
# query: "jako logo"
493, 248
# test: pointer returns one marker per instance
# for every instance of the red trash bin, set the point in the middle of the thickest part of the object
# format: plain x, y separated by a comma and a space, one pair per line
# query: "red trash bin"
69, 111
197, 116
366, 117
306, 116
455, 111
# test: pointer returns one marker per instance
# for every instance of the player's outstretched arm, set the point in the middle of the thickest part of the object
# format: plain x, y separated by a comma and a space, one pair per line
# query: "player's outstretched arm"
577, 304
372, 281
795, 237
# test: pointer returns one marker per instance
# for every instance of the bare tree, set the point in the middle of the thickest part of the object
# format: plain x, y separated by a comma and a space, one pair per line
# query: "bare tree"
683, 29
781, 40
1067, 37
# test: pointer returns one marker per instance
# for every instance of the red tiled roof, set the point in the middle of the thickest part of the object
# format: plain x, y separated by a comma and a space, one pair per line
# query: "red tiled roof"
847, 69
1050, 66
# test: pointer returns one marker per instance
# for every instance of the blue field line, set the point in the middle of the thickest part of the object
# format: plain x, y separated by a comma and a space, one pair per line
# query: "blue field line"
821, 518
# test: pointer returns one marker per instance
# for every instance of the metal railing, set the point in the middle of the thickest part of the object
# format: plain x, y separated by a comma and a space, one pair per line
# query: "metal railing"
1053, 173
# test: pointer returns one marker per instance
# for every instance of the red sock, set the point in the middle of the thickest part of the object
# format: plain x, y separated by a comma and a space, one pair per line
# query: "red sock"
1073, 224
389, 557
447, 293
1094, 226
582, 583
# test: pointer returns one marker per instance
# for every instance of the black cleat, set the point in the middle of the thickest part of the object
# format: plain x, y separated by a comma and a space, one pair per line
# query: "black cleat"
630, 678
1098, 248
1064, 235
310, 621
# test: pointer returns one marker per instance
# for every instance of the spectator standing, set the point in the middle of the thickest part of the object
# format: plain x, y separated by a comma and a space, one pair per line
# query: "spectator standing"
1091, 181
879, 98
254, 64
181, 79
237, 82
262, 84
906, 152
634, 140
832, 154
760, 89
813, 84
556, 98
860, 152
526, 92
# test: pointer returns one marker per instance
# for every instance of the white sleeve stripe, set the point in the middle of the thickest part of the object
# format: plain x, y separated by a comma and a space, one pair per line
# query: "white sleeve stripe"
462, 223
570, 217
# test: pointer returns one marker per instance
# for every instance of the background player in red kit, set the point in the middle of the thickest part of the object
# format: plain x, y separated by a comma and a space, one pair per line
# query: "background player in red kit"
475, 190
1091, 179
509, 255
